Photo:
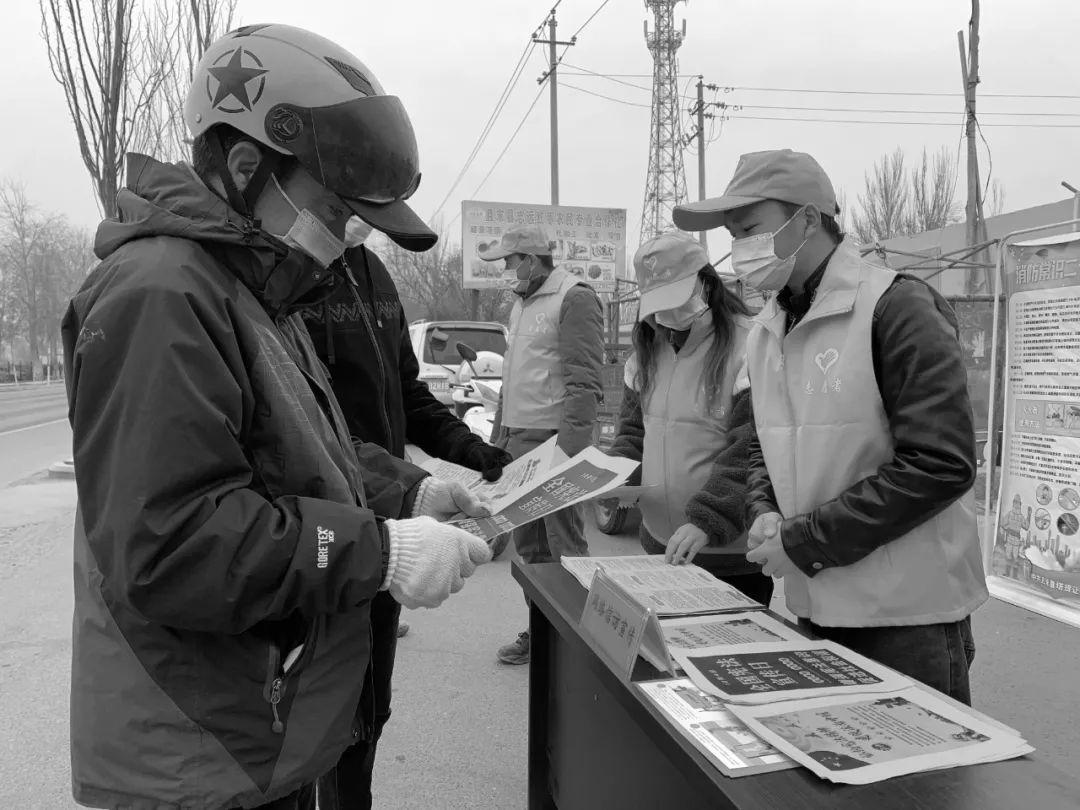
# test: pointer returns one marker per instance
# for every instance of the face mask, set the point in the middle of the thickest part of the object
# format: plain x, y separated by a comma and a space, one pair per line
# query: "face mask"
528, 280
683, 317
356, 232
310, 234
755, 262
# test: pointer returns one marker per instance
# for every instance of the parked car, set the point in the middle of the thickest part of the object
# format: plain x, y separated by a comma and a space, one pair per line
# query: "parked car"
435, 345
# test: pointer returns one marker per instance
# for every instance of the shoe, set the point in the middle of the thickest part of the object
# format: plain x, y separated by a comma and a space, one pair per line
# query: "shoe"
402, 629
516, 653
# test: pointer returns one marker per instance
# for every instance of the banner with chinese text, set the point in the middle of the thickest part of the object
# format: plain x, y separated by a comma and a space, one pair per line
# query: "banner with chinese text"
1037, 533
589, 242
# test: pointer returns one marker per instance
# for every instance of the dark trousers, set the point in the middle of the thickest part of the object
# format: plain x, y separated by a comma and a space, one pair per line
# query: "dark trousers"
938, 655
754, 584
303, 799
348, 785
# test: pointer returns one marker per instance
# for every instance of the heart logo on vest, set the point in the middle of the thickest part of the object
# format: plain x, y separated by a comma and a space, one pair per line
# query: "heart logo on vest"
826, 359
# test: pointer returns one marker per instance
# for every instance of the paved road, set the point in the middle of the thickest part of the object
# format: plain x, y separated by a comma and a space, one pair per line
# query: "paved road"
31, 405
457, 738
33, 430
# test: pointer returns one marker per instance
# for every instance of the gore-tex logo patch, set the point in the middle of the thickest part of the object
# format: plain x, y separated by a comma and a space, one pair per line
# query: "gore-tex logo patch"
325, 538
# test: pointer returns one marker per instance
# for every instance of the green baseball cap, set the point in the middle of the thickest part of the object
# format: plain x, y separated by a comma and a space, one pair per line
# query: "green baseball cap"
667, 268
532, 240
779, 174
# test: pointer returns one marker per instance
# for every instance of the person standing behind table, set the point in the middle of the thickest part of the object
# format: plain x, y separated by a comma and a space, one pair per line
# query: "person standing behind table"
361, 334
551, 385
862, 468
686, 413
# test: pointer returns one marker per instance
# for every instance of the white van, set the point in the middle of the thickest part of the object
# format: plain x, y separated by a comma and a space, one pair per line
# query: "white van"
435, 345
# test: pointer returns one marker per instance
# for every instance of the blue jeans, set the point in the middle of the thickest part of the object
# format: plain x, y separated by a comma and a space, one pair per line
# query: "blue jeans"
938, 655
557, 535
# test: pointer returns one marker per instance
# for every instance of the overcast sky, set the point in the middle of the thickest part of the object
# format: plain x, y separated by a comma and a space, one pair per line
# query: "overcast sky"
448, 61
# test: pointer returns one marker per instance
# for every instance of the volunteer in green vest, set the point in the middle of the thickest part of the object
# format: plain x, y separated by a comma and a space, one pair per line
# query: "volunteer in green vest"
862, 468
686, 413
551, 385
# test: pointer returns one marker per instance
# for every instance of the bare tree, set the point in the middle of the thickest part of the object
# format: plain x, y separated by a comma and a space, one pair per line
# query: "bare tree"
884, 201
188, 28
430, 284
995, 201
99, 54
933, 193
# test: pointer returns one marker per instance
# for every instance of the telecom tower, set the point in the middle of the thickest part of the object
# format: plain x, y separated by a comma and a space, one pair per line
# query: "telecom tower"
666, 184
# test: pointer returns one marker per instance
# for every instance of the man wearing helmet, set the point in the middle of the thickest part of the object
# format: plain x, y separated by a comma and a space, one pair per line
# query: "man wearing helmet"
230, 537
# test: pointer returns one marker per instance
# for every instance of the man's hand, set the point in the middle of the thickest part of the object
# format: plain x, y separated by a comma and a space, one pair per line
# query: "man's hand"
446, 500
767, 547
488, 460
684, 545
429, 561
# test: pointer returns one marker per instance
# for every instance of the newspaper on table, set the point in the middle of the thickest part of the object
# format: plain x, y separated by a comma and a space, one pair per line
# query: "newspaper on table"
670, 590
764, 673
695, 632
859, 739
707, 723
543, 492
517, 474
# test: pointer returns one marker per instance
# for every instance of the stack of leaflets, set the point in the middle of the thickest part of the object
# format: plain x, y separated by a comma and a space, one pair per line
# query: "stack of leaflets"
707, 723
669, 590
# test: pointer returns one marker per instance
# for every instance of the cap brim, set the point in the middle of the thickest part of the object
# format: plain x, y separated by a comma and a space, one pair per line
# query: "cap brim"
707, 214
495, 253
397, 221
669, 296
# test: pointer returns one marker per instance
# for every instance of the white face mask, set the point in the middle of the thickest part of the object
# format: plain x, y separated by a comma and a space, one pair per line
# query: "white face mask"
356, 232
682, 317
755, 262
310, 234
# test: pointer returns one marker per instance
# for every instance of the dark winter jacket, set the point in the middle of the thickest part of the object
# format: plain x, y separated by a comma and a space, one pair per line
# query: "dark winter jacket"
919, 367
223, 517
362, 335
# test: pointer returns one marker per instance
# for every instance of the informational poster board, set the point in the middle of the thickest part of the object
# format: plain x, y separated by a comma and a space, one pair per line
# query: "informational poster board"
589, 242
1035, 558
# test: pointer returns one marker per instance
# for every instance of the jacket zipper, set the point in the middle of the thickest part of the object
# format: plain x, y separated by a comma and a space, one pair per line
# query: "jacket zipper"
277, 678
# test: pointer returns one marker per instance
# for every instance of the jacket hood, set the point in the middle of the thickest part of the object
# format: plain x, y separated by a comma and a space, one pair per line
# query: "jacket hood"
169, 199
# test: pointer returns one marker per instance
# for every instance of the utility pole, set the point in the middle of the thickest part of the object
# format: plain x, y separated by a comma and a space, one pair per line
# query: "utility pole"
969, 68
1076, 199
552, 78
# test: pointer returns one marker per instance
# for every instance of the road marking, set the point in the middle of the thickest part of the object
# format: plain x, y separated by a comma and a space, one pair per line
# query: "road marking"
32, 427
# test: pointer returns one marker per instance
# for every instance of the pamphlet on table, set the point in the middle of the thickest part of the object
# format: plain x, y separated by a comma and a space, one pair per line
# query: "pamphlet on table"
859, 739
670, 590
704, 720
764, 673
695, 632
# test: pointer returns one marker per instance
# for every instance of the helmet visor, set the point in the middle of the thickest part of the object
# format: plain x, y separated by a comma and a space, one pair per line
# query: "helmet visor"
364, 149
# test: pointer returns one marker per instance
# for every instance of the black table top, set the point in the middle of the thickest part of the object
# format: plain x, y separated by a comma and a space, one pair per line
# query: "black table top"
1026, 782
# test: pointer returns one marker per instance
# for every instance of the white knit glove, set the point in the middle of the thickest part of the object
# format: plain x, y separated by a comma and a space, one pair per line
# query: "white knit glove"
429, 561
446, 500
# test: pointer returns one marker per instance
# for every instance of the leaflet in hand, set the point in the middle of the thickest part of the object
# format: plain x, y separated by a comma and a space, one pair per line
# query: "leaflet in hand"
670, 590
859, 739
763, 673
516, 475
695, 632
704, 720
589, 473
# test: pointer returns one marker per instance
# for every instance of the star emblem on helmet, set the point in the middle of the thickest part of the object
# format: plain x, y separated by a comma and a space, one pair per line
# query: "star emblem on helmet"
233, 79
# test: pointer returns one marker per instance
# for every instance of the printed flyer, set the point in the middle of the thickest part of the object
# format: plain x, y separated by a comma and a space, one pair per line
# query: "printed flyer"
706, 722
589, 473
589, 242
763, 673
1037, 537
670, 590
861, 739
695, 632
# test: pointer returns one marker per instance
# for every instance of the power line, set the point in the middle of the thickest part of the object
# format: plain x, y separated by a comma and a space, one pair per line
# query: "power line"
891, 112
607, 76
510, 142
738, 117
732, 88
591, 16
508, 88
601, 95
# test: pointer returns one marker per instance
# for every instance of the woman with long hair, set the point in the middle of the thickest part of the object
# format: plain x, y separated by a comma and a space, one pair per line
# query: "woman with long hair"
686, 413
